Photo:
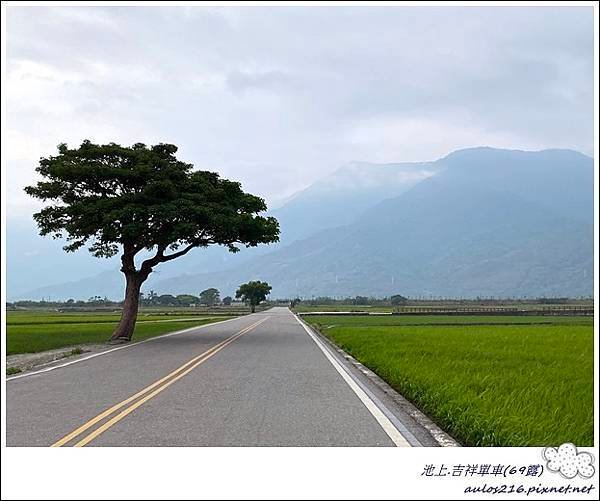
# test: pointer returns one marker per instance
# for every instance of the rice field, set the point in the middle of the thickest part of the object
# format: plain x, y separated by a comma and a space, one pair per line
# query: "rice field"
488, 381
33, 332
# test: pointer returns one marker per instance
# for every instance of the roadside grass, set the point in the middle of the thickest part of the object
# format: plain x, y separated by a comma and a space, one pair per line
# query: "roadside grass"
36, 337
12, 370
487, 385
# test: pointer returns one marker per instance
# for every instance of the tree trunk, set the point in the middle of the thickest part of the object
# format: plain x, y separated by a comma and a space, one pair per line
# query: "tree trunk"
124, 331
253, 307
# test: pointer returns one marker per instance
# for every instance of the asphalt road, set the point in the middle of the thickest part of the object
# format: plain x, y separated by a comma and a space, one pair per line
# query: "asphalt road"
258, 380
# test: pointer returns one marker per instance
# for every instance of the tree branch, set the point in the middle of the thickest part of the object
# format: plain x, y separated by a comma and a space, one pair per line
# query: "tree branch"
148, 264
199, 240
182, 252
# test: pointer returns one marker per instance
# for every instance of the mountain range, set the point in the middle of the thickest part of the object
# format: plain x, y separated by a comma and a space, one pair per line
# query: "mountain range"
478, 222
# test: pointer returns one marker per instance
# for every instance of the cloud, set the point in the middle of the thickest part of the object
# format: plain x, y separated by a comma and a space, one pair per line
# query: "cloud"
278, 97
568, 462
240, 81
386, 139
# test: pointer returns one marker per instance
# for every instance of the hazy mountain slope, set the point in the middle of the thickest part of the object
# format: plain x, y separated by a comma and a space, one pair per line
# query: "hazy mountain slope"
105, 284
471, 230
335, 200
489, 222
506, 247
559, 180
31, 260
341, 197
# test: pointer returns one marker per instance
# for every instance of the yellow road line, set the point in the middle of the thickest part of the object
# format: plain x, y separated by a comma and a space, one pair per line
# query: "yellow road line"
195, 361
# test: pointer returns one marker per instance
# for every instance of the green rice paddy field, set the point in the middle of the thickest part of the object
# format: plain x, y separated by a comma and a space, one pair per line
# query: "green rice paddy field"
488, 381
32, 332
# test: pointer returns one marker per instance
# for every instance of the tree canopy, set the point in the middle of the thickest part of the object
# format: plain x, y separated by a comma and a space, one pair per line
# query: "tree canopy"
254, 293
142, 197
398, 299
209, 296
125, 200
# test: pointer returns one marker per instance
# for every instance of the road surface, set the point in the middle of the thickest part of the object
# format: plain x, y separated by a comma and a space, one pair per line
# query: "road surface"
259, 380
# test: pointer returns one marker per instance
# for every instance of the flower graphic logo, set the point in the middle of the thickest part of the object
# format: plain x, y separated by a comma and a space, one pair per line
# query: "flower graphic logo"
568, 462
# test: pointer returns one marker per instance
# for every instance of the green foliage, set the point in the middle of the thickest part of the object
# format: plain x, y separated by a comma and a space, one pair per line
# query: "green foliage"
142, 197
166, 300
187, 299
397, 300
511, 384
209, 296
253, 292
227, 300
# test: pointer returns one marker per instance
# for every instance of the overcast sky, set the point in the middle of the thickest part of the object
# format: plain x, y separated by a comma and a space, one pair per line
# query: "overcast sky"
278, 97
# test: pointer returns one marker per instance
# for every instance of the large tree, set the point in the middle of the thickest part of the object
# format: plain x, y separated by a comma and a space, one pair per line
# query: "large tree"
253, 293
141, 201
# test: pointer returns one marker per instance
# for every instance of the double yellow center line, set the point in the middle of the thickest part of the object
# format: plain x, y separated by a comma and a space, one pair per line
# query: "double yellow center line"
147, 393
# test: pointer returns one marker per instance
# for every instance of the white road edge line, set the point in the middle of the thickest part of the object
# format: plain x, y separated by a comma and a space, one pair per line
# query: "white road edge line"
385, 423
122, 348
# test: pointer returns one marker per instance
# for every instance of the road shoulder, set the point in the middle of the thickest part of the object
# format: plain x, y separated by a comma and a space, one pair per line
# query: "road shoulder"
398, 409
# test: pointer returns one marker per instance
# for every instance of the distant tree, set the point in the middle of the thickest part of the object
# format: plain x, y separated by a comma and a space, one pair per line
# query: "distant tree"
360, 300
227, 300
253, 293
324, 300
125, 200
166, 300
209, 297
151, 298
187, 299
397, 300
